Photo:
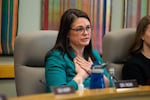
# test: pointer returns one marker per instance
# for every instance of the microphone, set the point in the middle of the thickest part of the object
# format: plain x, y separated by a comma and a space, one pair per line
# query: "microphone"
111, 71
114, 79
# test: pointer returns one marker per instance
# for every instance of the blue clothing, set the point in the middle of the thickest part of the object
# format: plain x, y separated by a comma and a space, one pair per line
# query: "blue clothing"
60, 70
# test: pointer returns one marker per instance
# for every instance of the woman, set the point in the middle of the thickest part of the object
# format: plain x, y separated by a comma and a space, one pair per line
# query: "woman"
70, 60
138, 65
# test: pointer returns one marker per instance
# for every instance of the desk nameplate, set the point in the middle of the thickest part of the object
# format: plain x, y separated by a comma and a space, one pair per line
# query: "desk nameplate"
63, 90
126, 84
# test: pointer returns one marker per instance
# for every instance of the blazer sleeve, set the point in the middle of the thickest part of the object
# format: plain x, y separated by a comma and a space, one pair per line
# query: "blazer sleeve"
55, 74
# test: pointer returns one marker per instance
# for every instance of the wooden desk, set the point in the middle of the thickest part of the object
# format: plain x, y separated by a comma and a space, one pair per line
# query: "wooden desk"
141, 93
6, 67
7, 71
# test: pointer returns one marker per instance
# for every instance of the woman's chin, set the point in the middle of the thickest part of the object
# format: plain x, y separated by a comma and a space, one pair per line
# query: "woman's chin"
85, 44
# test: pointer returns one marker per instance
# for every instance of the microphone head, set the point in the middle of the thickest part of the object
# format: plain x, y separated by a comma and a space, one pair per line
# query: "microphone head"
111, 70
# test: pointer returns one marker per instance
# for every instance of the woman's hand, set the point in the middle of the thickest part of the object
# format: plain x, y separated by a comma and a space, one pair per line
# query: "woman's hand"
83, 68
86, 65
106, 81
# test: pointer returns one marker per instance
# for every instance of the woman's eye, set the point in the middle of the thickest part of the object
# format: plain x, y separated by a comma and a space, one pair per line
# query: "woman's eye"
87, 28
79, 29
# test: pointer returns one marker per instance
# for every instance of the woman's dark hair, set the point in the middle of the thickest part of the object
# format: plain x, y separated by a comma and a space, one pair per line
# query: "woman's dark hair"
62, 42
140, 31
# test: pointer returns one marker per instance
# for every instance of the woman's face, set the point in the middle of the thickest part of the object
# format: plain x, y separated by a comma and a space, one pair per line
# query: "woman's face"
80, 33
146, 37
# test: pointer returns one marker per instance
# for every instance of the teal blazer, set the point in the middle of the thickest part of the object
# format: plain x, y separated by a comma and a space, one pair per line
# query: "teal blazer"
60, 70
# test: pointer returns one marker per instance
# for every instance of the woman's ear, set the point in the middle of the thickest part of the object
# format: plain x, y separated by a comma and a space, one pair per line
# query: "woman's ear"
142, 37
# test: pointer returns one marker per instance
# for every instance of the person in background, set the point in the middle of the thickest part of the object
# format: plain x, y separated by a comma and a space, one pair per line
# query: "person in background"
72, 56
138, 65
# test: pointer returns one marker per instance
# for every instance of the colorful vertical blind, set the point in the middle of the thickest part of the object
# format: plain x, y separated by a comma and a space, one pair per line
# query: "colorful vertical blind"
98, 10
8, 25
134, 11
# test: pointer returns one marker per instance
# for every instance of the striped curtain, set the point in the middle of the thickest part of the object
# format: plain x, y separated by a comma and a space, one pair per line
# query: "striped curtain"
134, 11
8, 26
98, 10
